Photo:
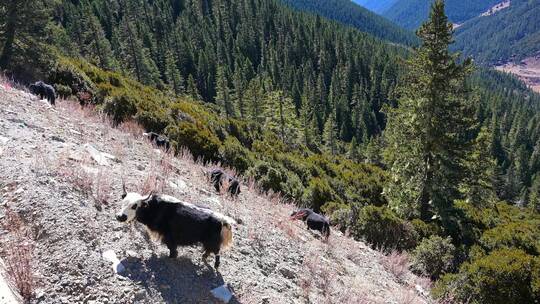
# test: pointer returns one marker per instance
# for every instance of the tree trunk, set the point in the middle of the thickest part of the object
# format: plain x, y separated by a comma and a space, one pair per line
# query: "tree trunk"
11, 30
425, 196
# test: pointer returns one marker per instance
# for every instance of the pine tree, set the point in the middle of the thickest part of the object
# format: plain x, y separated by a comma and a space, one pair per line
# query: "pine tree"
254, 99
353, 152
174, 78
95, 42
478, 186
281, 118
534, 196
22, 19
330, 134
223, 94
427, 135
192, 89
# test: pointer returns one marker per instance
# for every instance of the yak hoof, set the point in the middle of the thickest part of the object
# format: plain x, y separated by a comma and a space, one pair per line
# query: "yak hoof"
217, 262
205, 257
173, 254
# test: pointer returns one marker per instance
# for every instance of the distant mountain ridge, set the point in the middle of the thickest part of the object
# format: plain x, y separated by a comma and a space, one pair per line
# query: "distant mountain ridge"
377, 6
410, 14
509, 34
349, 13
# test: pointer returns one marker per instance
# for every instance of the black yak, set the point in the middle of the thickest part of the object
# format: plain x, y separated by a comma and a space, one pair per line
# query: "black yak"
43, 90
176, 223
217, 176
159, 140
313, 220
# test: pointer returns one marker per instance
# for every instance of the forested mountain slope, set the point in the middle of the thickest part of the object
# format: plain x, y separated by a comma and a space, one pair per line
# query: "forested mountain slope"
411, 13
298, 104
377, 6
510, 34
332, 80
347, 12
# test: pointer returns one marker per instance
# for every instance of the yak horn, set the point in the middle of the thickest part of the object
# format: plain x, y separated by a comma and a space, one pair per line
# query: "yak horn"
124, 192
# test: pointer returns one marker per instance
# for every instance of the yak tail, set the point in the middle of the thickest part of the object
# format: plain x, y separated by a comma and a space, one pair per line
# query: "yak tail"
226, 236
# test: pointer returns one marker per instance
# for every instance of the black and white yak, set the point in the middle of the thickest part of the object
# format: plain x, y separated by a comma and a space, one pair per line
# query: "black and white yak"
176, 223
313, 220
159, 140
217, 176
43, 90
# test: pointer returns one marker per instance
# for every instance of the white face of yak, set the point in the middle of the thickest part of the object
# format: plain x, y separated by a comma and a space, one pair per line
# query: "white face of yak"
130, 203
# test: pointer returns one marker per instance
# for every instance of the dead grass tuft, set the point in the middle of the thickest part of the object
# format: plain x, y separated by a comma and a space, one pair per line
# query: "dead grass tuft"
102, 188
18, 253
131, 127
405, 296
78, 177
397, 263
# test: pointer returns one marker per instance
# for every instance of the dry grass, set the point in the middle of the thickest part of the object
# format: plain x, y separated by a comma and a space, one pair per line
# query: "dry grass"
397, 263
18, 253
405, 296
78, 177
102, 188
131, 127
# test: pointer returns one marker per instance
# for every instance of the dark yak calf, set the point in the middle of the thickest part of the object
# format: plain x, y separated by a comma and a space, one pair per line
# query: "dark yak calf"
217, 176
176, 223
43, 90
159, 140
313, 220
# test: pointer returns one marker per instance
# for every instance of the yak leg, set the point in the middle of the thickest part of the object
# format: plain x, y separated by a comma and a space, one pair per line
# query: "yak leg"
205, 256
173, 252
217, 262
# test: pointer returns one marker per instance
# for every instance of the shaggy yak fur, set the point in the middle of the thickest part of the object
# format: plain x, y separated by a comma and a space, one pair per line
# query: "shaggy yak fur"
43, 90
217, 176
176, 223
159, 140
313, 220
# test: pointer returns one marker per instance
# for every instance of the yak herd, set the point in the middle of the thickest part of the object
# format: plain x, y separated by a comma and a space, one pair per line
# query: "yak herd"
177, 223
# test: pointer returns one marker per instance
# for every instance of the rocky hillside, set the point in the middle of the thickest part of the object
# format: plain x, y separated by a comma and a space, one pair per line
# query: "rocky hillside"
60, 186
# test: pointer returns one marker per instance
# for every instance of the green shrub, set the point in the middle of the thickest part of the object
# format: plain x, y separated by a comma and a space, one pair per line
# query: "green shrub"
383, 229
520, 235
202, 143
433, 257
120, 108
273, 176
502, 277
153, 120
341, 218
234, 155
318, 193
292, 187
63, 91
267, 176
424, 230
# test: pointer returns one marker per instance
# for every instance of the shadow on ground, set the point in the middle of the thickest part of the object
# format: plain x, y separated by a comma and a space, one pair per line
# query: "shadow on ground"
177, 280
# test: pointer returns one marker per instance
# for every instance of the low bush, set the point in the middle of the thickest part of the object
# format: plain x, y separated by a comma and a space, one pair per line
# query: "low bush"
522, 235
424, 230
433, 257
202, 143
318, 193
63, 91
341, 218
234, 155
383, 229
120, 108
504, 276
